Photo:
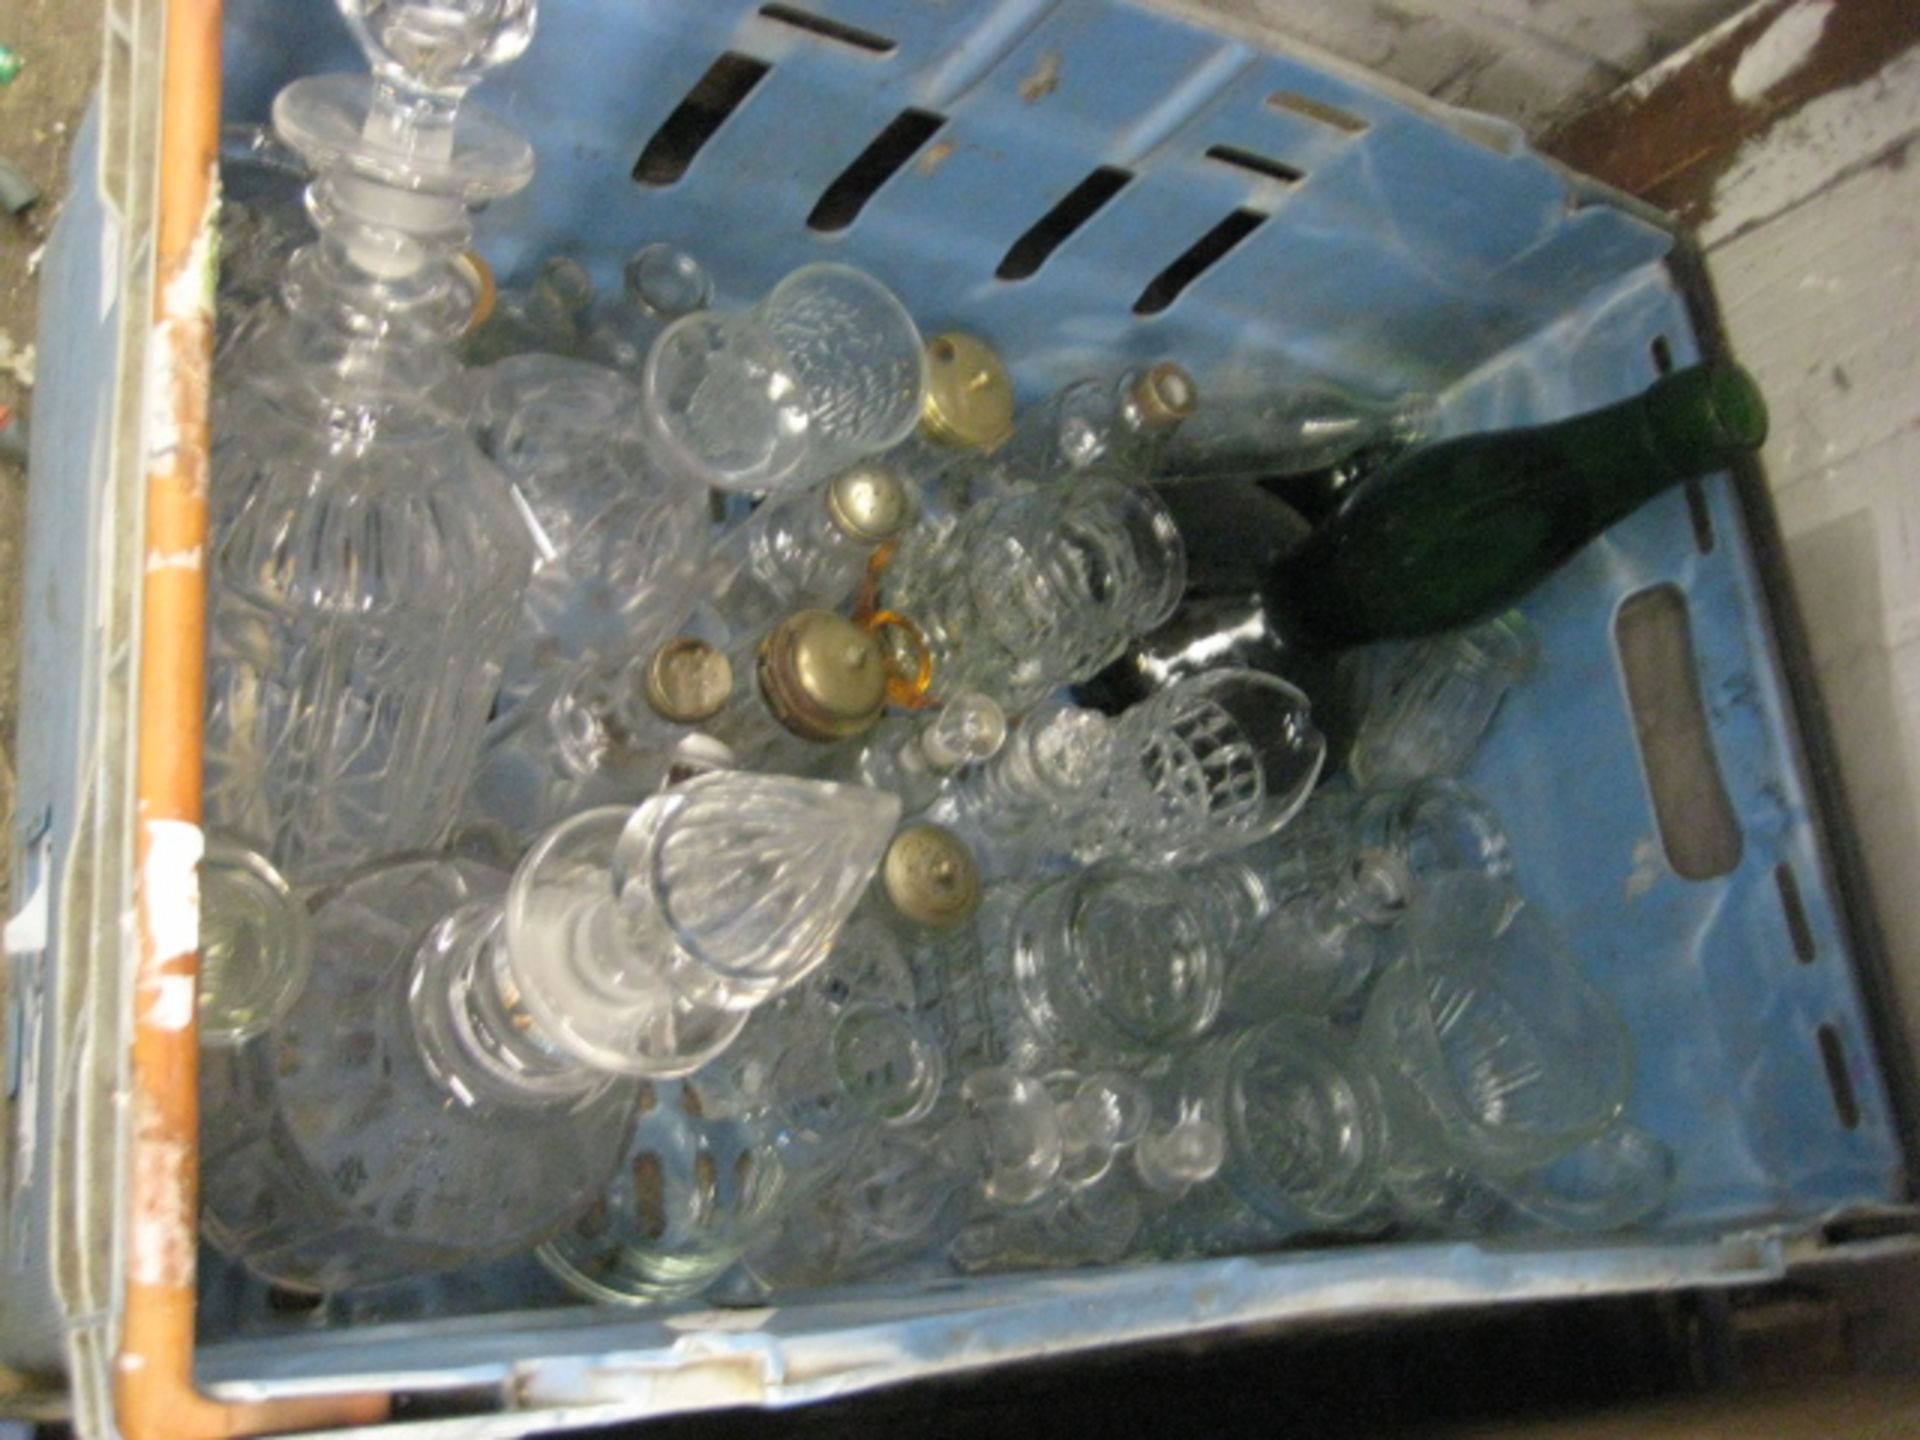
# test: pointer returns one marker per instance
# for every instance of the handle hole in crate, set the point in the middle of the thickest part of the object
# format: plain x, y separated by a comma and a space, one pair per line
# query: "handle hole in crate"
1317, 111
698, 118
841, 202
850, 35
1051, 230
1833, 1056
1662, 354
1255, 164
1798, 930
1200, 257
1653, 637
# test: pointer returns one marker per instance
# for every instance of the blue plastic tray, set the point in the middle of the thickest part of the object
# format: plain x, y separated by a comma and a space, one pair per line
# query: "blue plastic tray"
1387, 246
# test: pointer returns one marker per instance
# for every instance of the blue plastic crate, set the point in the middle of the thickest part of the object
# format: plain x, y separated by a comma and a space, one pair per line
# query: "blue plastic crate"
1381, 241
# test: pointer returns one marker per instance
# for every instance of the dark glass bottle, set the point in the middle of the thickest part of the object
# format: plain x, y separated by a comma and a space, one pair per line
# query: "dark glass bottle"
1457, 531
1445, 536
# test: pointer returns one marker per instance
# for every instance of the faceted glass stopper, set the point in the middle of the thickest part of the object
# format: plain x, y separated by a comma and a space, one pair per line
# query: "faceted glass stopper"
444, 47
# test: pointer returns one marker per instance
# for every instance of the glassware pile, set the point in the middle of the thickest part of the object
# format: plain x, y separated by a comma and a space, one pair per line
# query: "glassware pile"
750, 897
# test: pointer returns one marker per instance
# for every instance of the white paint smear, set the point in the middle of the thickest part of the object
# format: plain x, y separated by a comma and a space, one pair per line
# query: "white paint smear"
1783, 47
170, 887
188, 559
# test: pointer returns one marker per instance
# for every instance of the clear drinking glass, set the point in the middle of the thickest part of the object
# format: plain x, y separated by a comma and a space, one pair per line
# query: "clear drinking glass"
1306, 1137
1619, 1178
917, 756
897, 1196
1040, 589
827, 370
256, 943
1216, 761
1493, 1051
1110, 967
695, 1187
1429, 706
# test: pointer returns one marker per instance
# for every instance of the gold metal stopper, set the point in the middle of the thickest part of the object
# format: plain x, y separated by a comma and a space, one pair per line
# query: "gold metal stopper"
868, 502
1165, 395
929, 876
822, 676
688, 681
969, 404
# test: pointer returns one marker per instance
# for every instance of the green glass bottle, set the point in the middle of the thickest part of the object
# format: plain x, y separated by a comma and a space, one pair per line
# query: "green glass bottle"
1462, 529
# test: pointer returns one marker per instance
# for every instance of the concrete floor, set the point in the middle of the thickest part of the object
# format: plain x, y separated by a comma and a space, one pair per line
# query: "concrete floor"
60, 41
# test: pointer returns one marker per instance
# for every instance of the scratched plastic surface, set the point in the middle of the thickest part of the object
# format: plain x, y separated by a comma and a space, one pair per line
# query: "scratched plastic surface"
1404, 254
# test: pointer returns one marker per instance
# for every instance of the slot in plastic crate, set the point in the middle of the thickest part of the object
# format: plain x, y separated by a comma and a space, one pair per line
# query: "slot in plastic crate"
1249, 205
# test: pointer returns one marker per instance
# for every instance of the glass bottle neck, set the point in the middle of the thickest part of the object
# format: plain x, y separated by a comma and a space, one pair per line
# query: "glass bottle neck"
474, 1035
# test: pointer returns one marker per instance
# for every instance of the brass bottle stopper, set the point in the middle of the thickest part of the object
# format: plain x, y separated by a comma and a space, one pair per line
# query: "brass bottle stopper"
930, 878
688, 681
969, 404
1164, 396
822, 676
869, 502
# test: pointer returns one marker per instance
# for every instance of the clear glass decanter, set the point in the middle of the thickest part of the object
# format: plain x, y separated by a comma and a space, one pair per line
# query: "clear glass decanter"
825, 371
807, 548
1431, 828
619, 542
1116, 424
393, 1121
1215, 762
547, 318
1429, 704
367, 563
1039, 589
605, 735
1494, 1053
658, 285
262, 223
446, 1087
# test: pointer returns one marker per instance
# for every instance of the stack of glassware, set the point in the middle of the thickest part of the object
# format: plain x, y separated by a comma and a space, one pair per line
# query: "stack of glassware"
751, 902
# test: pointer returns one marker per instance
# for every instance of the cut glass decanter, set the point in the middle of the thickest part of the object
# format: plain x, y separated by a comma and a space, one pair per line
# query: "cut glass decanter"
367, 562
446, 1088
